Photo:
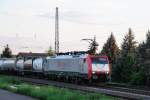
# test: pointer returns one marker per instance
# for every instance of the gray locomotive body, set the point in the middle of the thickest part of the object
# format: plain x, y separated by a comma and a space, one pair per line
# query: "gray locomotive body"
66, 66
78, 67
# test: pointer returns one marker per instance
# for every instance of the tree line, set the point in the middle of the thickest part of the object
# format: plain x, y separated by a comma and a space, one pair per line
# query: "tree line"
130, 63
6, 53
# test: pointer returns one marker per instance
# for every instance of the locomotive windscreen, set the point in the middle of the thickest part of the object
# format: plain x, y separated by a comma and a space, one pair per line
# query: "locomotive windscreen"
99, 60
100, 64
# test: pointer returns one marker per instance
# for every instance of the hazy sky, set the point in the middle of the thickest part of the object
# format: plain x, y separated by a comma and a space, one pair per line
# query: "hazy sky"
28, 25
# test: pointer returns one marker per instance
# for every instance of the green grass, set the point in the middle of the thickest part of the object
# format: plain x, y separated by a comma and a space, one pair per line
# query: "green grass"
48, 92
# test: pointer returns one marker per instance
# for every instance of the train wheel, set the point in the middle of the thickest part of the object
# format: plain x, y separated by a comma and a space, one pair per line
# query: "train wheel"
108, 78
76, 80
66, 79
90, 81
22, 73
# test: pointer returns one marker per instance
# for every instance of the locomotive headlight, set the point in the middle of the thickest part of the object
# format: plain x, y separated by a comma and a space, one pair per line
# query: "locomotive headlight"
93, 72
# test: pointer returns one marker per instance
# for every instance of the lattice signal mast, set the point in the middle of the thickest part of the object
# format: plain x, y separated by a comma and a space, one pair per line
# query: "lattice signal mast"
56, 31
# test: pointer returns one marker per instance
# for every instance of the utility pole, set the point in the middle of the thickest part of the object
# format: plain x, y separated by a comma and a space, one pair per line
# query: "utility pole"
56, 31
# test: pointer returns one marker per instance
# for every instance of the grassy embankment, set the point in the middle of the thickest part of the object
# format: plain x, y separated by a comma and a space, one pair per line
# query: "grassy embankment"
47, 92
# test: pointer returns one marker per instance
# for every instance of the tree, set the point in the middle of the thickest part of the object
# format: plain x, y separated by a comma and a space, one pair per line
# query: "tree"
128, 48
129, 45
143, 60
148, 39
93, 46
111, 49
50, 51
125, 63
7, 52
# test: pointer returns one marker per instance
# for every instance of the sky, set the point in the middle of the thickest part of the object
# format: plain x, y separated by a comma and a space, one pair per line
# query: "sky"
29, 25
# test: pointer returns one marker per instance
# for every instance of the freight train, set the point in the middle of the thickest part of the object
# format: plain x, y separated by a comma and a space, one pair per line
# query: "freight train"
68, 67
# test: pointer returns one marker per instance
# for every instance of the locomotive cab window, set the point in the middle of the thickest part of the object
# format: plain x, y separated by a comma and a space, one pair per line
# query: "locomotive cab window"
99, 60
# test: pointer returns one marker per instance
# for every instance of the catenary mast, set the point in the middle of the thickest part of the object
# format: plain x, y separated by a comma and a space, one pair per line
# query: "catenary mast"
56, 31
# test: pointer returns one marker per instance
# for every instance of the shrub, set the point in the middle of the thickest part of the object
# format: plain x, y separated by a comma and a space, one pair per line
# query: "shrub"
137, 78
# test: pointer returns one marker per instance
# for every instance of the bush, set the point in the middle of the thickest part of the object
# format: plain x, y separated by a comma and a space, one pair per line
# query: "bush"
137, 78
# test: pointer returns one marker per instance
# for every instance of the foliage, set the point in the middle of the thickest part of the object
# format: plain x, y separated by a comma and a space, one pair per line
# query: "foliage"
116, 75
7, 52
137, 78
111, 49
127, 69
129, 45
50, 51
143, 59
133, 64
127, 59
93, 47
50, 92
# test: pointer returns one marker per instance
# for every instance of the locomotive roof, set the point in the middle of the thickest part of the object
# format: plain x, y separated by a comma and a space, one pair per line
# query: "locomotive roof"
67, 56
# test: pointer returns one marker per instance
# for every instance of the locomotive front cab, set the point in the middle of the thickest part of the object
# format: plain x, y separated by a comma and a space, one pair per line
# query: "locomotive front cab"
100, 65
100, 68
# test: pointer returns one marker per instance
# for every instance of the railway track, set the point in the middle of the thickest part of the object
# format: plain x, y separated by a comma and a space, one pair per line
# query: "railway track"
126, 93
130, 89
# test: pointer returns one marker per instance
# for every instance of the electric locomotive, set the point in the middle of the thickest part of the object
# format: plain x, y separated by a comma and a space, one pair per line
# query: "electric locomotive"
78, 67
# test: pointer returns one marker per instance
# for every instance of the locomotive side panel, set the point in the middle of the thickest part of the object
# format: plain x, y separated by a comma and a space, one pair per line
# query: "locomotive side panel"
71, 65
74, 67
84, 66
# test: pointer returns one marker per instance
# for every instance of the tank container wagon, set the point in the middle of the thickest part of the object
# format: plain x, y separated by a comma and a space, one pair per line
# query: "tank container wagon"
30, 65
7, 65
